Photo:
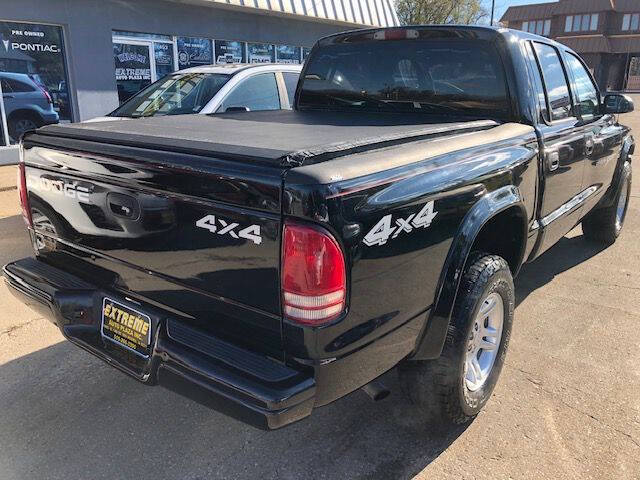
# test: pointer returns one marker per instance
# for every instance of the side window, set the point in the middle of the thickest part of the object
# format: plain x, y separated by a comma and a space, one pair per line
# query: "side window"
586, 92
5, 86
555, 81
537, 79
290, 82
17, 86
259, 92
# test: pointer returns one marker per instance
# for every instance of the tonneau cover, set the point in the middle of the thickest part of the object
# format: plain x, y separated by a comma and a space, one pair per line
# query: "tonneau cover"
279, 138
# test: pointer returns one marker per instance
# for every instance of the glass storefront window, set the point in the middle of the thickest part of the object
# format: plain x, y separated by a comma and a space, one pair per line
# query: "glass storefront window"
140, 61
163, 54
305, 53
133, 68
34, 77
261, 53
193, 51
146, 36
287, 54
230, 52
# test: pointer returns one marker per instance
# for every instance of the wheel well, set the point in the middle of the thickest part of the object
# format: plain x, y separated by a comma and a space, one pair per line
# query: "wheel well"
504, 235
25, 113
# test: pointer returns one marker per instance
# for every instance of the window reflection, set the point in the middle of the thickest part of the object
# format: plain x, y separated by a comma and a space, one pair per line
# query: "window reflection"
555, 81
586, 92
33, 78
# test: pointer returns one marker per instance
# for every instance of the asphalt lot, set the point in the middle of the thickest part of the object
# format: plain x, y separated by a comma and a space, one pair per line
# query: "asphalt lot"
567, 404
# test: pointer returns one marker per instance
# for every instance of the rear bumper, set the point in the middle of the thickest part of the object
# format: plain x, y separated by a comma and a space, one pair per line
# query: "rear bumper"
49, 118
189, 361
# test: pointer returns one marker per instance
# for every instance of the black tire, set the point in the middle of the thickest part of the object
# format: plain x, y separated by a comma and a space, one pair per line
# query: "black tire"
604, 225
20, 123
438, 387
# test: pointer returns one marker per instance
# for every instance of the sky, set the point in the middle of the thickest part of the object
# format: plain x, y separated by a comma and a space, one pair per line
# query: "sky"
502, 5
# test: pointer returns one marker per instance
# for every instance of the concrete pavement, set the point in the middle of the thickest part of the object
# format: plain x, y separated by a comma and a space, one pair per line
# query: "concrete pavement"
9, 205
567, 404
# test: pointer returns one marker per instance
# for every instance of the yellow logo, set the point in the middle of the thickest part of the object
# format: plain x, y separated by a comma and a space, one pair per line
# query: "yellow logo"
134, 322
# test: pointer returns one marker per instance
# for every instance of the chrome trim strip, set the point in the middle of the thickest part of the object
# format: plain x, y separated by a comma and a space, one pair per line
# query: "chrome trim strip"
569, 206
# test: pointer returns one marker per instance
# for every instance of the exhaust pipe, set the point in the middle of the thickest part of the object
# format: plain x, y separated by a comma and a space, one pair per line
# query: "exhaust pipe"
376, 390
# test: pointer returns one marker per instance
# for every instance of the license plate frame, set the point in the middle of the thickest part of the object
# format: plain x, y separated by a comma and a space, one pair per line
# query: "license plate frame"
125, 327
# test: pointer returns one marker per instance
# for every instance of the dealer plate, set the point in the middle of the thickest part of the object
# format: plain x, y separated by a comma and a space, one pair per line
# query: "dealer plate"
126, 326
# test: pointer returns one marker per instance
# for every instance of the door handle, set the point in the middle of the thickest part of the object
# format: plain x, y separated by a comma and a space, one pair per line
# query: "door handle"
553, 160
589, 146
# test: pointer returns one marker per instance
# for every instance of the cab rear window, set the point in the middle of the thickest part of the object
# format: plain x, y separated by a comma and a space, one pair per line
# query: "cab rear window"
432, 75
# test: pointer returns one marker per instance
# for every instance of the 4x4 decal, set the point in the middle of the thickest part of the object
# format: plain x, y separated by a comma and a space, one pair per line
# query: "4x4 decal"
383, 230
252, 232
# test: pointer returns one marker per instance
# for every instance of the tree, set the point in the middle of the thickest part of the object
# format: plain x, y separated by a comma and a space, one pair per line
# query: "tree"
422, 12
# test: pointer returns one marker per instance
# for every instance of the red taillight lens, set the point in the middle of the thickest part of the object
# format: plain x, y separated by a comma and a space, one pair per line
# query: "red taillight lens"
313, 275
22, 192
45, 93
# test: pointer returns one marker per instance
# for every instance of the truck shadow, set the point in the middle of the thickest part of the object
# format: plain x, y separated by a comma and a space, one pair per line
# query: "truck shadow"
564, 255
78, 418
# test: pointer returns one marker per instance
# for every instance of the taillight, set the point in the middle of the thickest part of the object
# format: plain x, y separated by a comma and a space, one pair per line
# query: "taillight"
45, 93
22, 191
313, 275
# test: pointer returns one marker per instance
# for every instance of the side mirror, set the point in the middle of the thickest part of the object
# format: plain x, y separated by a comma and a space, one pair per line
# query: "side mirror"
237, 109
617, 103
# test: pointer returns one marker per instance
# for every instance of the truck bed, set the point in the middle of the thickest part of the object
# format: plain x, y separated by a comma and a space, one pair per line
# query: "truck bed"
284, 137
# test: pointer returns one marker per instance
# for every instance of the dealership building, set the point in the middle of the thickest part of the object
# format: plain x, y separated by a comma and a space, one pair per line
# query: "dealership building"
84, 57
606, 34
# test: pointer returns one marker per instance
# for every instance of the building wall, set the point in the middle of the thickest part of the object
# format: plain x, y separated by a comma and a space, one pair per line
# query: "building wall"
606, 50
88, 26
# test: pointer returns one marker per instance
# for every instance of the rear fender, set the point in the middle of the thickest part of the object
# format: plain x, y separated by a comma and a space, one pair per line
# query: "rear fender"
26, 113
431, 339
628, 148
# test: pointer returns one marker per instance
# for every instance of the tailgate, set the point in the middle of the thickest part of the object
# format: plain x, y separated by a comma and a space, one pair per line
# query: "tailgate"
198, 237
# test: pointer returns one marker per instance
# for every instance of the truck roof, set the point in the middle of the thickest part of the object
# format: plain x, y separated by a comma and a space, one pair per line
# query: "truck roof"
485, 32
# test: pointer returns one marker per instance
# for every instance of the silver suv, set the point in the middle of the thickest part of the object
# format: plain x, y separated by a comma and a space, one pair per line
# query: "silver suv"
27, 104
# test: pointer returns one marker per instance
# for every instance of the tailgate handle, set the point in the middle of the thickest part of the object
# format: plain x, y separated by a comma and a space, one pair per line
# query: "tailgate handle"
123, 205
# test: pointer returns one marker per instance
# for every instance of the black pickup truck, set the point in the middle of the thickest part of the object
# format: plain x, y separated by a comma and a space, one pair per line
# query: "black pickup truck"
267, 263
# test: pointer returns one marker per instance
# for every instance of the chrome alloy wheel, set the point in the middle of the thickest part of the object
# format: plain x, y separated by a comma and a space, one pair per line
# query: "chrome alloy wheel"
483, 342
621, 208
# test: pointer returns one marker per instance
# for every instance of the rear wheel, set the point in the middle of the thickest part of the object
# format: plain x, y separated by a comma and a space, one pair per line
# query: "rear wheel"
605, 224
20, 124
457, 385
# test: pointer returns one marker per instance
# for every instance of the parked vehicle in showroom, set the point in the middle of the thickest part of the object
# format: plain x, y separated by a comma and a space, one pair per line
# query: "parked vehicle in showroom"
214, 89
378, 224
27, 104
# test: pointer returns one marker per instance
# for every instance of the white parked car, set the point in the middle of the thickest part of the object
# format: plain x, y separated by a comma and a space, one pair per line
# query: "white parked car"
213, 89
